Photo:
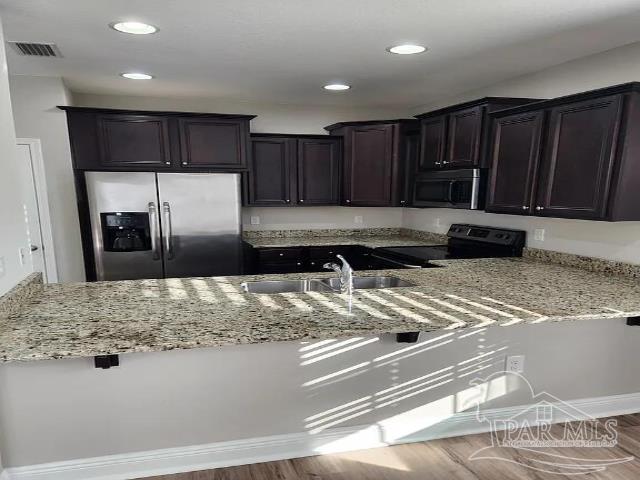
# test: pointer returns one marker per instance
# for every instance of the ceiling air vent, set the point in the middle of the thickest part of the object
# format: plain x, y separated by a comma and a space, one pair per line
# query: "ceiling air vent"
36, 49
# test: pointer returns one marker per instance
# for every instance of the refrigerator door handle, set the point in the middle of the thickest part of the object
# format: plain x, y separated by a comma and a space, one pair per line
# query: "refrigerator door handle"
154, 231
168, 234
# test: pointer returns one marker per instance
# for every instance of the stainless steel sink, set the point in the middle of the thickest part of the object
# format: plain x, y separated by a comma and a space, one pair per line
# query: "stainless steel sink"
283, 286
365, 283
321, 285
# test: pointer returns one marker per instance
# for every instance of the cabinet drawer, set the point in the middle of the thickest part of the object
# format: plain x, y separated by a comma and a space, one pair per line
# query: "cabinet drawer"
280, 255
284, 267
327, 252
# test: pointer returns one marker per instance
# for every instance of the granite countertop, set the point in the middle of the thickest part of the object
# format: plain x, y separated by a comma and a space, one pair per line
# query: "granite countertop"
314, 240
81, 320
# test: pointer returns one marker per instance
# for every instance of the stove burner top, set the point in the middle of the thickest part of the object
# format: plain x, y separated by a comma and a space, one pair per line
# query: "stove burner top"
465, 241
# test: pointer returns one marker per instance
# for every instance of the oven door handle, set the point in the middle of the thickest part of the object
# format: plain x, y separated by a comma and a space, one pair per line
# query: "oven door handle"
450, 192
405, 265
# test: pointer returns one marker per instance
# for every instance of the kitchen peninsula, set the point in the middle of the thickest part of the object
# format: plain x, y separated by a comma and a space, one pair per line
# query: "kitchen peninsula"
88, 319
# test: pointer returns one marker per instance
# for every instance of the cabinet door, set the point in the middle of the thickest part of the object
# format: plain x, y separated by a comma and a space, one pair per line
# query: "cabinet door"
410, 155
463, 145
133, 140
270, 171
579, 159
318, 171
369, 166
212, 143
515, 155
432, 143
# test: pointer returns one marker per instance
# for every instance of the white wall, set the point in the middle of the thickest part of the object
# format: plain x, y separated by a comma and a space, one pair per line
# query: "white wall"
615, 241
13, 234
272, 218
191, 397
34, 102
619, 65
271, 118
612, 241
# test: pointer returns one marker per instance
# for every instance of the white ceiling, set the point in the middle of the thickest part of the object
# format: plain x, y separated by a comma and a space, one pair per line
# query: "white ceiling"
283, 51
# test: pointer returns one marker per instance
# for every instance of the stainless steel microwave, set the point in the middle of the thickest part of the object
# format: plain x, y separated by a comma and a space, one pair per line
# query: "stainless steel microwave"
462, 188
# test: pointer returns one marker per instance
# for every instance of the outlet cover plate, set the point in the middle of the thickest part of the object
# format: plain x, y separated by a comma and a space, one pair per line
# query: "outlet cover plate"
514, 364
538, 234
255, 220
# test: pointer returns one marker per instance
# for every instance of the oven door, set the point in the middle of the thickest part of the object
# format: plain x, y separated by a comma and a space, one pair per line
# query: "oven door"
449, 189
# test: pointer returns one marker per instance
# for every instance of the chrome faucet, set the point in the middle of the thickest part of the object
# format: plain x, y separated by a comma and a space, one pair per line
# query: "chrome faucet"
345, 272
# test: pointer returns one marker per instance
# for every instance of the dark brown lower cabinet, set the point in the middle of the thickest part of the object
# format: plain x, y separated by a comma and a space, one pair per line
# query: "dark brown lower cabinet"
515, 158
294, 171
309, 259
571, 157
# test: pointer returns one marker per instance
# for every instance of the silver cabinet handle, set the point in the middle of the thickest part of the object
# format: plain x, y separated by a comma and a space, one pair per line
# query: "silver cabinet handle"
524, 207
154, 231
539, 208
168, 234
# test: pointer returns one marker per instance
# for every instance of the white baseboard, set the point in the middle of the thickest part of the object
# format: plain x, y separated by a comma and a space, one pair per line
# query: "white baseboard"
279, 447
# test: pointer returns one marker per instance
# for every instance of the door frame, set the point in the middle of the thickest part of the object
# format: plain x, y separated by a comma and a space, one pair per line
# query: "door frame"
42, 201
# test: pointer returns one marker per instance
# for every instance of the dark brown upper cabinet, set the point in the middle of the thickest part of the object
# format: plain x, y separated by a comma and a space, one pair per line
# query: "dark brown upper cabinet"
133, 140
375, 161
458, 136
269, 178
579, 159
318, 165
107, 139
294, 170
515, 158
432, 142
570, 157
213, 143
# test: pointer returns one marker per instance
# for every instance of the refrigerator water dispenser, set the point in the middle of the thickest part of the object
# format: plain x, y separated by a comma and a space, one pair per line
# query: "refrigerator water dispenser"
125, 231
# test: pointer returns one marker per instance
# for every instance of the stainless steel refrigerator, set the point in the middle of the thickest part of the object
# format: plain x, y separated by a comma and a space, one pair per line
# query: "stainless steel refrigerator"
163, 225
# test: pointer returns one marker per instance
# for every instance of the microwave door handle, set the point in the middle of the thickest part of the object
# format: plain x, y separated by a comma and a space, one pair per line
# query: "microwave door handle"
168, 234
154, 231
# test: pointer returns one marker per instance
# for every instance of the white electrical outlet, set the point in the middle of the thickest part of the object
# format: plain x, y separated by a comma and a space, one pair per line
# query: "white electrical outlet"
255, 220
515, 364
538, 234
358, 219
2, 268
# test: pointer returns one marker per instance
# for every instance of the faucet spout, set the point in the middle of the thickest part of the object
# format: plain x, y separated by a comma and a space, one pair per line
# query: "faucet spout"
345, 273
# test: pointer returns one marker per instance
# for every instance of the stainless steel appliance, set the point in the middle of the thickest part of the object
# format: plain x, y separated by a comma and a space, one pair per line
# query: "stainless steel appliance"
156, 225
462, 188
464, 241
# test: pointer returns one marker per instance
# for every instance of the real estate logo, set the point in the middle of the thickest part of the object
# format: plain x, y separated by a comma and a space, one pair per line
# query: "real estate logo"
549, 435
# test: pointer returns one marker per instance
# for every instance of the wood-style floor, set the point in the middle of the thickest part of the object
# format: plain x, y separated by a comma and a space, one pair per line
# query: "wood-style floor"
446, 459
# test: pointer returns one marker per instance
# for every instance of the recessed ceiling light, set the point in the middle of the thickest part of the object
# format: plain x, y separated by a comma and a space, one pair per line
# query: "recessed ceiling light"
137, 76
337, 87
406, 49
135, 28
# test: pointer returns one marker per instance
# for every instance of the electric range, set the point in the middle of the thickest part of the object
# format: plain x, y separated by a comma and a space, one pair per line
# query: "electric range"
464, 241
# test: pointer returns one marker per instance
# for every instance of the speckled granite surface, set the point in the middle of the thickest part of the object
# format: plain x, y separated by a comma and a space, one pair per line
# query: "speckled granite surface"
374, 238
14, 300
591, 264
79, 320
321, 232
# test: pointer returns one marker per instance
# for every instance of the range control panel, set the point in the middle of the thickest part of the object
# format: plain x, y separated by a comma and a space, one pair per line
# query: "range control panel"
478, 233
